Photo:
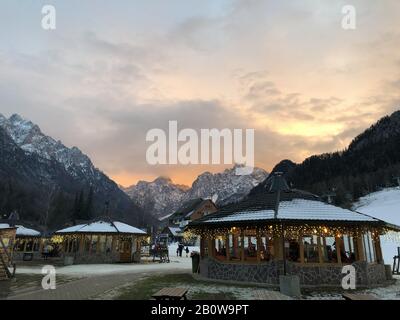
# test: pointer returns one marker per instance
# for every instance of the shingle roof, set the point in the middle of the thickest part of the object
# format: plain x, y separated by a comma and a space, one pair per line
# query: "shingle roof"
272, 205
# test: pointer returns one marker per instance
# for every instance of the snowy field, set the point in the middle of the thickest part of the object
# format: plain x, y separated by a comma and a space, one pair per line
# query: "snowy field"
384, 205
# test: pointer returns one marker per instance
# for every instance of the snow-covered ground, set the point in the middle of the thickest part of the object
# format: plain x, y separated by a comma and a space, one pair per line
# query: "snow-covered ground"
173, 246
180, 264
384, 205
84, 270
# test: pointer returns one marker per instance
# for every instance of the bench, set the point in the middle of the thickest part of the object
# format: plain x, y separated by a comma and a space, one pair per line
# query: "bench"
356, 296
171, 294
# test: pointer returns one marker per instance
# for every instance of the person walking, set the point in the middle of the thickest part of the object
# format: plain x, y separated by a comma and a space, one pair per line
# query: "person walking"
187, 251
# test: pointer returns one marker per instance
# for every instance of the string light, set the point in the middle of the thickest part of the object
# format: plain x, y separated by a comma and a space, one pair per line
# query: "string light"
291, 231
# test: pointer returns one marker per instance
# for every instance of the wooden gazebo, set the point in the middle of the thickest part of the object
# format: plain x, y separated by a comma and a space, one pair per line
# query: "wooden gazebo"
101, 241
279, 230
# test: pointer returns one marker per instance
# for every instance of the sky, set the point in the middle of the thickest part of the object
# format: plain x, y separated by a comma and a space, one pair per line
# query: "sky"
113, 70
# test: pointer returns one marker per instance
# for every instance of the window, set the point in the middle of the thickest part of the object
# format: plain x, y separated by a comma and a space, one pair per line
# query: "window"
235, 243
310, 249
87, 243
102, 244
109, 244
29, 246
369, 247
266, 248
220, 247
292, 250
94, 244
329, 250
250, 247
349, 249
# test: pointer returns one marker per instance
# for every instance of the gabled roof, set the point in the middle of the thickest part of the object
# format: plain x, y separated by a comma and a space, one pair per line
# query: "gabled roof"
279, 204
189, 207
176, 231
101, 226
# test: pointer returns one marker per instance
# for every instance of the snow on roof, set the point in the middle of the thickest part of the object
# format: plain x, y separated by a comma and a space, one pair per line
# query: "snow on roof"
245, 215
297, 209
102, 227
318, 210
176, 231
21, 230
189, 214
165, 217
4, 226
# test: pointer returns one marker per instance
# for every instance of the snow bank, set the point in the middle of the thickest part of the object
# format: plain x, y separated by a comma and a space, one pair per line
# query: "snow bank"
384, 205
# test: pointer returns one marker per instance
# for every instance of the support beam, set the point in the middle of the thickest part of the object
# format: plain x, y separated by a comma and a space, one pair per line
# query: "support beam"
259, 244
320, 253
360, 248
242, 245
378, 249
227, 247
301, 248
338, 249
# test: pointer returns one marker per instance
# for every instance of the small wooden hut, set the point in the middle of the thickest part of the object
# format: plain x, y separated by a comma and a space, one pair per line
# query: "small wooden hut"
101, 241
28, 242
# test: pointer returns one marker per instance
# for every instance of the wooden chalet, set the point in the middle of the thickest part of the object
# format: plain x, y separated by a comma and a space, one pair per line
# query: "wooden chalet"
282, 231
192, 210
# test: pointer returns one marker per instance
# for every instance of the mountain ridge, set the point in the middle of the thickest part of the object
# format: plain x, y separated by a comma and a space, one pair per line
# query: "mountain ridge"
163, 197
76, 176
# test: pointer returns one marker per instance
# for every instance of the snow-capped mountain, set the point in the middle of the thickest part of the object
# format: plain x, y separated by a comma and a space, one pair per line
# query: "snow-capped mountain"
163, 197
158, 196
383, 205
30, 138
35, 164
226, 186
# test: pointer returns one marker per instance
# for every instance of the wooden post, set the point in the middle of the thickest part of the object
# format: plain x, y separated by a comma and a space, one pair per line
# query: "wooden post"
320, 253
82, 243
278, 247
360, 248
235, 245
242, 245
40, 245
259, 244
301, 248
210, 248
90, 245
378, 249
227, 248
338, 249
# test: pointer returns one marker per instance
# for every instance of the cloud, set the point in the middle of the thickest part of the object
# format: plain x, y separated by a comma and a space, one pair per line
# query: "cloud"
286, 69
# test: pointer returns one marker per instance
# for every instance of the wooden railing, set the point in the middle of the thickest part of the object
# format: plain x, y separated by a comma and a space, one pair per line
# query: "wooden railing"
4, 252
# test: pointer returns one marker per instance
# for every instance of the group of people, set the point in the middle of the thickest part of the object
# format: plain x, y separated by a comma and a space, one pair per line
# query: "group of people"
180, 249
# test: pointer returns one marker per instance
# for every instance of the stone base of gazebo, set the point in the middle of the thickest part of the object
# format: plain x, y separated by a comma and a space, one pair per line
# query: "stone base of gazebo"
367, 274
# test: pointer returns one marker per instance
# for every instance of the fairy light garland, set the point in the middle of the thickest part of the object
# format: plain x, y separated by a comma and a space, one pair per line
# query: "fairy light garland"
293, 231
